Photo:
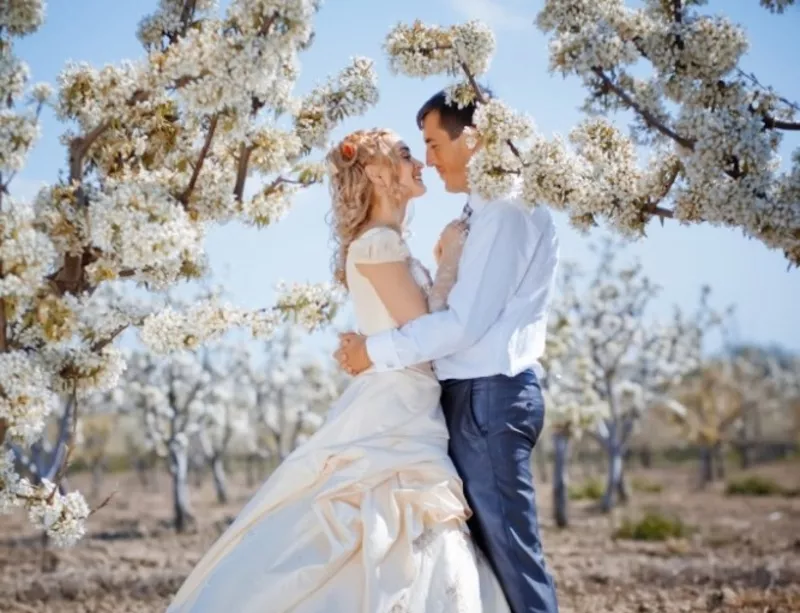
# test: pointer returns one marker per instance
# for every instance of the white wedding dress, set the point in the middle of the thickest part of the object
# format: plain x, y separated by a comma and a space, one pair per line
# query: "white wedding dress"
368, 516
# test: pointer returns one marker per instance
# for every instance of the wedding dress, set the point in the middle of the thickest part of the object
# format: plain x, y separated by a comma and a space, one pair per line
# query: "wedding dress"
368, 516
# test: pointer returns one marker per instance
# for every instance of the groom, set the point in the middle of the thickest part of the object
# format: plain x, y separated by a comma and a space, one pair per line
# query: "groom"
485, 348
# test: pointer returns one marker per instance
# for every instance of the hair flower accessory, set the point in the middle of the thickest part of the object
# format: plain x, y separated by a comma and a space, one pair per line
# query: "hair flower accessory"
348, 150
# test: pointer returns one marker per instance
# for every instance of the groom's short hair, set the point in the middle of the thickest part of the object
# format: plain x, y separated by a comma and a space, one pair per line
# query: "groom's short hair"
451, 118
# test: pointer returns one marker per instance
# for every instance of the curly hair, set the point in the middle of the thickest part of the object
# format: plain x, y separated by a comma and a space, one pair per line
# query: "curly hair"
352, 192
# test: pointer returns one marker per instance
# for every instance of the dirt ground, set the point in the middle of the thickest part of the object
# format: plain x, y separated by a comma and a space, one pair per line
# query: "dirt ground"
743, 553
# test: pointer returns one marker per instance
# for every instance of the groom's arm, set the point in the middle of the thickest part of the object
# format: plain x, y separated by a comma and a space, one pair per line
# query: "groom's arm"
496, 255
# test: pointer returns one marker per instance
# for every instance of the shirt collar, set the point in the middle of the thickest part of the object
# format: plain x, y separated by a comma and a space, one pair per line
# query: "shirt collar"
476, 202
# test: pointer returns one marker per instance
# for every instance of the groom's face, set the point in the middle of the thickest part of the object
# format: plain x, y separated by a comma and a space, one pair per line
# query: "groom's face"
449, 156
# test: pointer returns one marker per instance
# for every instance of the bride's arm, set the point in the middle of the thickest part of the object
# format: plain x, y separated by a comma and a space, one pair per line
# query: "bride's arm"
448, 253
396, 289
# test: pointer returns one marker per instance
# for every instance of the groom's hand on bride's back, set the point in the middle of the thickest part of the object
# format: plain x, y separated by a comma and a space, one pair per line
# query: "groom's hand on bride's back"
352, 353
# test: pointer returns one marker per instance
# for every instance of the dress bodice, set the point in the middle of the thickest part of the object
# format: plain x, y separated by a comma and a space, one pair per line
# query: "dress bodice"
375, 246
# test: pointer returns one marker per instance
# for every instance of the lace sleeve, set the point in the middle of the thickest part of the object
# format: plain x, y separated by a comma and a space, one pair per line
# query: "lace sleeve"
445, 279
378, 246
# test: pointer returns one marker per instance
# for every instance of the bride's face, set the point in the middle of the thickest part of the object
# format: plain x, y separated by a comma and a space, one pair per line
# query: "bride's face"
409, 171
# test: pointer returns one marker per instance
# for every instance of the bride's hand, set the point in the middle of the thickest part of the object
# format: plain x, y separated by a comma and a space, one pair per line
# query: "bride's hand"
452, 236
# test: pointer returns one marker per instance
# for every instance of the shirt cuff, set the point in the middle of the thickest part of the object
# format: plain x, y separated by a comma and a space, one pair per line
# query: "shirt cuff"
382, 352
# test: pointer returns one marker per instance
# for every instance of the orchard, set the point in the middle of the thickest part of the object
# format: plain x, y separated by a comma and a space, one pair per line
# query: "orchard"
110, 445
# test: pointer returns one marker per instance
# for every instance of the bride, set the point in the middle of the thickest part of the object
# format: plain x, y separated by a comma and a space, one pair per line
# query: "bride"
368, 516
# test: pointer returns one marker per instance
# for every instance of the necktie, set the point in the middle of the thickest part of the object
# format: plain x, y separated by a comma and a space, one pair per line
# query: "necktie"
466, 212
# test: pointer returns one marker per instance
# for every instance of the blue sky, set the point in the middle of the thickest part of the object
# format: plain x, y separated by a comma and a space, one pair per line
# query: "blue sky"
249, 262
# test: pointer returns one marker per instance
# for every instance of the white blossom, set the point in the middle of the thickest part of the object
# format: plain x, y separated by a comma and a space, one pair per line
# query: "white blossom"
159, 149
351, 92
605, 362
26, 395
713, 130
420, 50
172, 330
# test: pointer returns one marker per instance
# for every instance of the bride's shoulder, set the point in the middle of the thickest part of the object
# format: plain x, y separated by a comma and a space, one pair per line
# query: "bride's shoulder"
380, 244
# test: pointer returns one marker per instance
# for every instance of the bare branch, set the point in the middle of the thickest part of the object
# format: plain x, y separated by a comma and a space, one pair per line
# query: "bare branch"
776, 124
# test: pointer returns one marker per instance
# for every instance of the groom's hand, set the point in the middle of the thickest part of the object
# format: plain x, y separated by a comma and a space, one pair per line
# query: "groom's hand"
352, 353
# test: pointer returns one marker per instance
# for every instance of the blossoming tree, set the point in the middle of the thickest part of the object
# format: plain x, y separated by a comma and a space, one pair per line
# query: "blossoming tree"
228, 410
292, 394
174, 398
608, 364
713, 405
573, 405
158, 149
712, 130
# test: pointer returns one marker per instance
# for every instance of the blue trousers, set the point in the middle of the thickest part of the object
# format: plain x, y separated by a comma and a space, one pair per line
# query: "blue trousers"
494, 423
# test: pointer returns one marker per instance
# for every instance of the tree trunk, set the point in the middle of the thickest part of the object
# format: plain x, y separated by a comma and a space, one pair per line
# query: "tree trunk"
560, 479
251, 465
179, 469
646, 457
220, 481
614, 480
745, 452
622, 487
140, 466
707, 471
197, 470
540, 460
719, 460
98, 472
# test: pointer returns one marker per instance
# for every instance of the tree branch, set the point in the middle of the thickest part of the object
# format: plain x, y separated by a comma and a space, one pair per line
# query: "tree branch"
482, 99
102, 344
187, 15
646, 115
3, 324
650, 208
72, 415
241, 171
212, 128
776, 124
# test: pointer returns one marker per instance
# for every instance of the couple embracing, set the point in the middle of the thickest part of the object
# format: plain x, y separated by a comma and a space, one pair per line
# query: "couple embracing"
416, 496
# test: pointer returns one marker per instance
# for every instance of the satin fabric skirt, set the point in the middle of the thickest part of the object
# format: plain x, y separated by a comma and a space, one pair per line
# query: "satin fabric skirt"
368, 516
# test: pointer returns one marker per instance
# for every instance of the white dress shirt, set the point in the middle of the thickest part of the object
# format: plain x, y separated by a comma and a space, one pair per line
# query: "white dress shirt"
496, 319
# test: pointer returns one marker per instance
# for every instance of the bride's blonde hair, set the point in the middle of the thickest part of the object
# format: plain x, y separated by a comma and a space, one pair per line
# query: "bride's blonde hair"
352, 191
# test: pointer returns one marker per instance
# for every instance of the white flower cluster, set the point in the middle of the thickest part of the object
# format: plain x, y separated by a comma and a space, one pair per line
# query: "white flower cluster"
720, 399
168, 396
22, 17
352, 92
713, 131
25, 252
159, 150
292, 394
139, 226
26, 396
62, 517
420, 50
18, 130
604, 362
310, 305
